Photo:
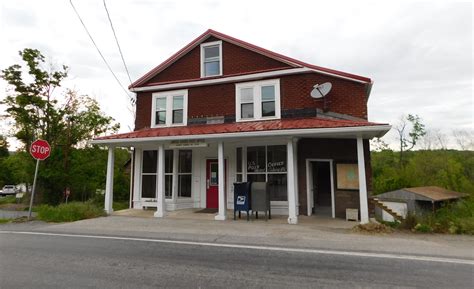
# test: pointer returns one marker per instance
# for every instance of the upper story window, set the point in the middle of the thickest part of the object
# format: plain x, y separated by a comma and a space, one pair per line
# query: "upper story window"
258, 100
169, 108
211, 59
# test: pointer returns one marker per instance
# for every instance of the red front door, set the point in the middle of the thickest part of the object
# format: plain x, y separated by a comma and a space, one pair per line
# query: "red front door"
212, 184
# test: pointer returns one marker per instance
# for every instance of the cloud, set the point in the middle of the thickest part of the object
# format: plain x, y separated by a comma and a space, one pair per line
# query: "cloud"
18, 17
419, 54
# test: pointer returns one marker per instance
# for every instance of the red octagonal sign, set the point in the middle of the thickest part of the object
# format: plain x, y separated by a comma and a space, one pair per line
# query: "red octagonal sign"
40, 149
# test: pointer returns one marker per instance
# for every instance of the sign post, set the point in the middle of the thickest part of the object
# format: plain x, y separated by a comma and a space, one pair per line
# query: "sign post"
39, 150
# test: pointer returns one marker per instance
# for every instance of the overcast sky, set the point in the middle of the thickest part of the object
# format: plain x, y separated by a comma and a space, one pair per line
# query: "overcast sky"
419, 54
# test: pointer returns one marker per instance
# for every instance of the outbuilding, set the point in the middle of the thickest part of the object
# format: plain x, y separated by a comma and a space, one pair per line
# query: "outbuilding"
416, 200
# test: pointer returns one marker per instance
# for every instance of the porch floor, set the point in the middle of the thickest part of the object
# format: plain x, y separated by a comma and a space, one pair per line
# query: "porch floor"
190, 214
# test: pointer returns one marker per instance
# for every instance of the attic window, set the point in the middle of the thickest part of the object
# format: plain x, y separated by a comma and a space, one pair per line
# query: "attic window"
211, 59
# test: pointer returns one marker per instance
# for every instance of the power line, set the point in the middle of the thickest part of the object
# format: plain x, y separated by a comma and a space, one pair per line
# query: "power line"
100, 53
116, 41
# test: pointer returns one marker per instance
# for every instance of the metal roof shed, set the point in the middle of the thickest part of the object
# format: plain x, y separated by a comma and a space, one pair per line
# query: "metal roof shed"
419, 199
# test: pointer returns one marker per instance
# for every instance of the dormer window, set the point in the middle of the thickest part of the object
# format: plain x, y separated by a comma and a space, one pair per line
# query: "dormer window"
211, 59
170, 108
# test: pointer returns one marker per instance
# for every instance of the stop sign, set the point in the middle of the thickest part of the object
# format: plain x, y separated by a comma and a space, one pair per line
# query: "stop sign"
40, 149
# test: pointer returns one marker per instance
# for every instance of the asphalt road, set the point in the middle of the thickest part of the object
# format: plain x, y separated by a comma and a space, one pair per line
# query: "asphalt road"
43, 261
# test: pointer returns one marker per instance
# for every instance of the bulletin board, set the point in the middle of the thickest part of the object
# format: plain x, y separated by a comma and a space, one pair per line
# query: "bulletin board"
347, 176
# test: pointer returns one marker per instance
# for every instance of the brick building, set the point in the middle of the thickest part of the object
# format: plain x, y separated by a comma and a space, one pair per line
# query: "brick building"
222, 110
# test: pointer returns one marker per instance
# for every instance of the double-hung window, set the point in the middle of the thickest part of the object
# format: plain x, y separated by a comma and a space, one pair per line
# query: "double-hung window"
169, 108
258, 100
211, 59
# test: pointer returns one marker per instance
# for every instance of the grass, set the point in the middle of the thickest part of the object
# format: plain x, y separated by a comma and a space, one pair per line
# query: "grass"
122, 205
4, 221
70, 212
7, 200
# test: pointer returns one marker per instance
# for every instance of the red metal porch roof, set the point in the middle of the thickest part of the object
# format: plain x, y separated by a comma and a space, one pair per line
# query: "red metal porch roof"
240, 127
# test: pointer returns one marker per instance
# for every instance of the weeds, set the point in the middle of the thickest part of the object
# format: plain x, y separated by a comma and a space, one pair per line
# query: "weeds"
70, 212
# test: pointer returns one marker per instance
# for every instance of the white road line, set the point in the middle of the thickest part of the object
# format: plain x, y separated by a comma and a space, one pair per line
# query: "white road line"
265, 248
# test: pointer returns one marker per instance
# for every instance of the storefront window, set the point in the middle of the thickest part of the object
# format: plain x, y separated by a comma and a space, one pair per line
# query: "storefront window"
276, 158
148, 186
269, 164
149, 173
277, 186
149, 162
185, 173
256, 159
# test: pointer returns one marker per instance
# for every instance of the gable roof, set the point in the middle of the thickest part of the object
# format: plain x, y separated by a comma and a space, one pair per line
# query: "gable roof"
209, 33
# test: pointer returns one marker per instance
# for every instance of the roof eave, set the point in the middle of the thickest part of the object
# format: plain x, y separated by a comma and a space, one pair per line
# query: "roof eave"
347, 132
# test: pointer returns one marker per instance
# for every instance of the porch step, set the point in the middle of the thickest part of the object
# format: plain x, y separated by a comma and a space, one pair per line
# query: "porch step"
379, 204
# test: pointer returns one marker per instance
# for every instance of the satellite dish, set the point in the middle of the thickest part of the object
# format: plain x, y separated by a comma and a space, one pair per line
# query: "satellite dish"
321, 90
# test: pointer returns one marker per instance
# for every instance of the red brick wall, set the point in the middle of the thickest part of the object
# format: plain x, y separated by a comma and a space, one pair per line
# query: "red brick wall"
346, 97
235, 60
143, 111
339, 150
215, 100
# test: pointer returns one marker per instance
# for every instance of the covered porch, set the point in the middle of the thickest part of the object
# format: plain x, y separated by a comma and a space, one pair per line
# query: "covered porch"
197, 171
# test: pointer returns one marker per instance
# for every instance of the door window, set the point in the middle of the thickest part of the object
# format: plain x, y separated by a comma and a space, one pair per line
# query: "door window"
214, 177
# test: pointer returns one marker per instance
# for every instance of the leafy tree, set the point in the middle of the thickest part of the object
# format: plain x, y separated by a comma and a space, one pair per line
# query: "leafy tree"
410, 130
31, 104
66, 121
3, 147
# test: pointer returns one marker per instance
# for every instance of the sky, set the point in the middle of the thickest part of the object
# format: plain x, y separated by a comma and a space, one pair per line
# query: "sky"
419, 54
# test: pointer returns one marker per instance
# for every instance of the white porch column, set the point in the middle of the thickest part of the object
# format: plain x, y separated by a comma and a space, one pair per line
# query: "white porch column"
160, 183
221, 216
292, 218
137, 173
364, 209
109, 183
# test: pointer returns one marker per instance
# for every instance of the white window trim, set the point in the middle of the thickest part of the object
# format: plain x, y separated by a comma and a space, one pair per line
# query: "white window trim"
207, 44
257, 100
169, 107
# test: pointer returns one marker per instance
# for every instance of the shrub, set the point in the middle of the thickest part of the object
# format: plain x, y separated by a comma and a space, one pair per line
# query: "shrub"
423, 228
409, 222
70, 212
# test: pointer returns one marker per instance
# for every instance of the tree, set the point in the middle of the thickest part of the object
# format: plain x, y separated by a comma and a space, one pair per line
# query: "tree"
464, 138
410, 129
3, 147
66, 120
31, 104
378, 144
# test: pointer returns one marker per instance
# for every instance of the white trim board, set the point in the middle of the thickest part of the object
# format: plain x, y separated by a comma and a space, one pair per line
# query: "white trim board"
309, 185
222, 79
